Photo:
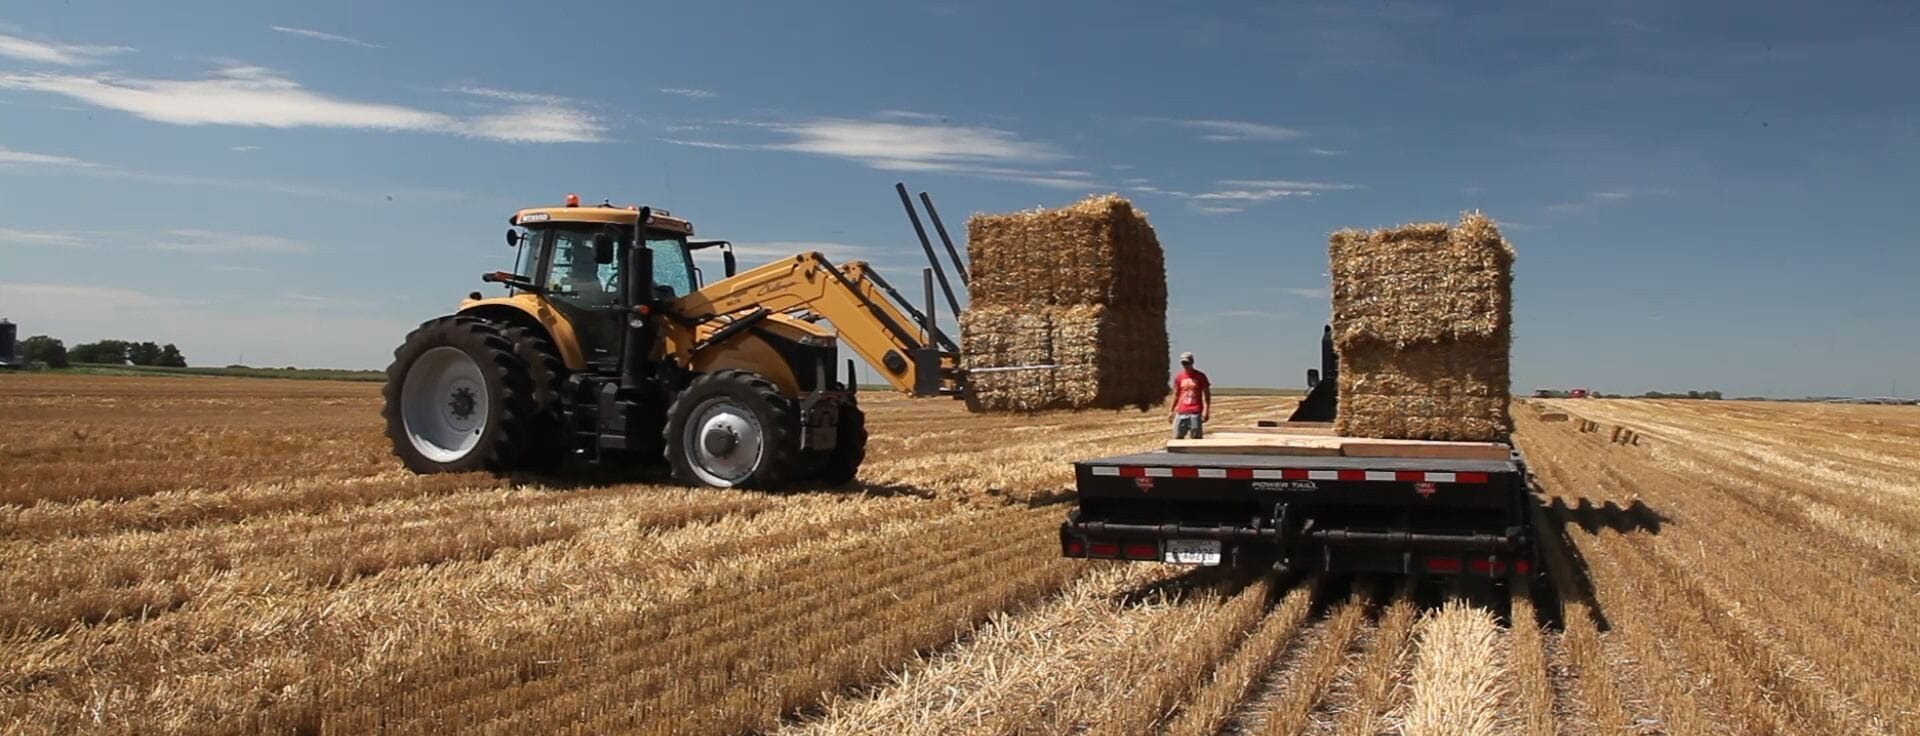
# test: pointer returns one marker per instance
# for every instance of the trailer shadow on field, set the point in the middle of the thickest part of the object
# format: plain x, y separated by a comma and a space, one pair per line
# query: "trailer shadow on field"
1569, 579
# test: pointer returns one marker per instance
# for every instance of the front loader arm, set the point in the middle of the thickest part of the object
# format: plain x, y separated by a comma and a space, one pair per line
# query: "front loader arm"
867, 320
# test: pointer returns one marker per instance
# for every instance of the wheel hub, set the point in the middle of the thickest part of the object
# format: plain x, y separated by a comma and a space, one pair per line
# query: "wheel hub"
720, 441
725, 442
462, 403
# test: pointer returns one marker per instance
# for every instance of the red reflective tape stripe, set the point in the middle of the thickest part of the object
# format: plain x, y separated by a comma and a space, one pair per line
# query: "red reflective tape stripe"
1412, 476
1353, 475
1469, 477
1186, 472
1240, 473
1132, 471
1292, 474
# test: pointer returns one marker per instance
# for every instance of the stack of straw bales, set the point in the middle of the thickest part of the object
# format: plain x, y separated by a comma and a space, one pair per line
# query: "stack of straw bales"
1083, 287
1423, 323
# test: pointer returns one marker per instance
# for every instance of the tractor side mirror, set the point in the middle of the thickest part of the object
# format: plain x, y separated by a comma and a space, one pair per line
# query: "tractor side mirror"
733, 265
1313, 377
513, 238
602, 248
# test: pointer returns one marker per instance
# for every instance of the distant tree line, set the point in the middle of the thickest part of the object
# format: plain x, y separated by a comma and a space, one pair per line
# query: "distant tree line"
1708, 395
53, 352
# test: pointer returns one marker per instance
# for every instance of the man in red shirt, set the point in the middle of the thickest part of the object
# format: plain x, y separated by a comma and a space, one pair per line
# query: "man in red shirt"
1192, 400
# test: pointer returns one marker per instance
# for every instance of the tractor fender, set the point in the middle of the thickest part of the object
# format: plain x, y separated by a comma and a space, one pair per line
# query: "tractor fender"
529, 311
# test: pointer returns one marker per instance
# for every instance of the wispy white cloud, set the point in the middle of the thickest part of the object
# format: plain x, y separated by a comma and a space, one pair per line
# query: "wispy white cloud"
925, 117
23, 159
707, 144
47, 238
1231, 131
1236, 314
1305, 292
215, 241
1135, 181
1263, 190
324, 36
53, 52
10, 157
682, 128
253, 96
690, 92
1230, 194
311, 300
1602, 198
765, 251
901, 145
90, 296
231, 268
1326, 151
245, 149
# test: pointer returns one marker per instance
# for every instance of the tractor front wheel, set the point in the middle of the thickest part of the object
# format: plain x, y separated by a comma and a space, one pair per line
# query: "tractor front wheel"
731, 429
457, 399
849, 447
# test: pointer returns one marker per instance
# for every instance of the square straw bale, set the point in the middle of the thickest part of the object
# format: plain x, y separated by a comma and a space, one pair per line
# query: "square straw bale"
1423, 323
1094, 275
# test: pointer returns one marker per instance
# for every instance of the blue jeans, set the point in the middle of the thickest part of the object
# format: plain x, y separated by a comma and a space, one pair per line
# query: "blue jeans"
1185, 424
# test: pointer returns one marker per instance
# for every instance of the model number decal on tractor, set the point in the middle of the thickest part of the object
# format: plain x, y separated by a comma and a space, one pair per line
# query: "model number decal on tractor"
1285, 485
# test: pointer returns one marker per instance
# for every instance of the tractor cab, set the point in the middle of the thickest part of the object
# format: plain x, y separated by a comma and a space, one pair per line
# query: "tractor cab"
573, 259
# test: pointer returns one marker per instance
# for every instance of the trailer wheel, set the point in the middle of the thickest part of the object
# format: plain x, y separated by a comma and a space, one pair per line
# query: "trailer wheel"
550, 439
731, 429
849, 449
457, 399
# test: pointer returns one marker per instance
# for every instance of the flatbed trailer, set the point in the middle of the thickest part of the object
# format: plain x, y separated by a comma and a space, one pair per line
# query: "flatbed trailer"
1421, 516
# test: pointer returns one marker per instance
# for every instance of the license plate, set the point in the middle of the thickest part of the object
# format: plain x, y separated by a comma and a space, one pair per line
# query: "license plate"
1193, 552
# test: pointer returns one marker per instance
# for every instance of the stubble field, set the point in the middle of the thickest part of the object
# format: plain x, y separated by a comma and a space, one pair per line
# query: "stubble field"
236, 555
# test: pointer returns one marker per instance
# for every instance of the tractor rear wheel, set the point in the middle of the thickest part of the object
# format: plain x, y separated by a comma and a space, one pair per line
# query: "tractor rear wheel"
849, 448
731, 429
457, 399
551, 439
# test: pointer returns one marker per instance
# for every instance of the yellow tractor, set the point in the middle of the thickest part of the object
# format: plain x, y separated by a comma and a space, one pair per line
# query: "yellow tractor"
609, 349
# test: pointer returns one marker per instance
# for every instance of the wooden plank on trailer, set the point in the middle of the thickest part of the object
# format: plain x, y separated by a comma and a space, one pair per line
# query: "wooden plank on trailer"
1313, 428
1235, 443
1372, 447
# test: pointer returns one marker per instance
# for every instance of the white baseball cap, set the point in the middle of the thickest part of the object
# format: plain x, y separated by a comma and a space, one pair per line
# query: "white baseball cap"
1186, 357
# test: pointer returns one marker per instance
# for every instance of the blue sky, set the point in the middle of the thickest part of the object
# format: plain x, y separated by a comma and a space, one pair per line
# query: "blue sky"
1702, 195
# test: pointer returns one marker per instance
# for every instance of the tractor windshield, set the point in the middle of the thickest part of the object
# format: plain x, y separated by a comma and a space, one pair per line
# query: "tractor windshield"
671, 268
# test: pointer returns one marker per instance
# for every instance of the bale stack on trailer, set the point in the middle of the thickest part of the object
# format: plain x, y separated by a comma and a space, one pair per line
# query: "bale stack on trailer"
1081, 289
1423, 324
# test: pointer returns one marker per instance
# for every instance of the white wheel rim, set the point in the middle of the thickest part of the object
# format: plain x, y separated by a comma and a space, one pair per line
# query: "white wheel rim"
443, 403
724, 441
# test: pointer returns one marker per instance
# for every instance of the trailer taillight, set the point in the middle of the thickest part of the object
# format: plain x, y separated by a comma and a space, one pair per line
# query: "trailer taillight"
1143, 551
1444, 565
1522, 567
1103, 549
1075, 549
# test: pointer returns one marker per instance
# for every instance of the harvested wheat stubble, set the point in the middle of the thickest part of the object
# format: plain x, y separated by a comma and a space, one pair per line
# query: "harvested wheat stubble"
1083, 288
1423, 321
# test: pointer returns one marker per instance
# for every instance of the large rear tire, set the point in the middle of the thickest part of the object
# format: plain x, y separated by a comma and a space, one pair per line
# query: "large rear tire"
849, 448
550, 439
731, 429
457, 399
